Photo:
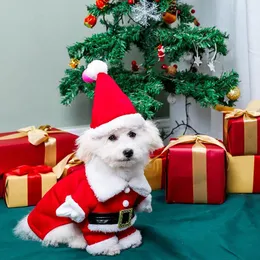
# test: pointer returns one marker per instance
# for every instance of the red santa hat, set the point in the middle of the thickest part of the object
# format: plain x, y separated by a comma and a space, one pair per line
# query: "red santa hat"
112, 109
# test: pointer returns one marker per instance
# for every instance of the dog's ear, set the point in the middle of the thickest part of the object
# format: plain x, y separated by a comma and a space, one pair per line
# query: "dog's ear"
83, 147
153, 134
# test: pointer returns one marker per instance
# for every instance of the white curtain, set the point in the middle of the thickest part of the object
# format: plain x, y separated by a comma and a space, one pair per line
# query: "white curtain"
241, 20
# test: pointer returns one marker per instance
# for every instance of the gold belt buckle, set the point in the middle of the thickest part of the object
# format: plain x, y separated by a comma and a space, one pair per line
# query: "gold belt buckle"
127, 223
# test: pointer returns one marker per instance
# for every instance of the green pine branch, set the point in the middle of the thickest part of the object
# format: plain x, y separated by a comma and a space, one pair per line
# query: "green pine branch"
207, 90
144, 86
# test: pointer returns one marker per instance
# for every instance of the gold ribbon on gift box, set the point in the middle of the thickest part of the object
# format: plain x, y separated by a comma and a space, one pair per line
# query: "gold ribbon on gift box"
240, 175
199, 162
153, 173
62, 167
37, 136
249, 115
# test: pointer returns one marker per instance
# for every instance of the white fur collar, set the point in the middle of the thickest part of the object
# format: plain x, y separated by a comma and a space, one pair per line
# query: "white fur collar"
106, 184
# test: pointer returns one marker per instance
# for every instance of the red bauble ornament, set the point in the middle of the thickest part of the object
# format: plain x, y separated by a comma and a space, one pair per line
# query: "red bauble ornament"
175, 66
135, 67
193, 11
164, 67
101, 4
179, 12
157, 1
90, 21
131, 2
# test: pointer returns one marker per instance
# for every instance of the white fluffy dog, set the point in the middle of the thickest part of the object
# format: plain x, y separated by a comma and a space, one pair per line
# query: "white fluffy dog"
96, 209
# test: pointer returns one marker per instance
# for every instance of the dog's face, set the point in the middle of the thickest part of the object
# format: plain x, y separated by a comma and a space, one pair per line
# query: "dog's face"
122, 148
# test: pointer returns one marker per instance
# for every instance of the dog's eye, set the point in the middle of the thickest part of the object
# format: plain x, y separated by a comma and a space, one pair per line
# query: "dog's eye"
112, 138
132, 134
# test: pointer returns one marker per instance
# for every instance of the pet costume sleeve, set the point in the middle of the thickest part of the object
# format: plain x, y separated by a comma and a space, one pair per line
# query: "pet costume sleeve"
77, 205
144, 204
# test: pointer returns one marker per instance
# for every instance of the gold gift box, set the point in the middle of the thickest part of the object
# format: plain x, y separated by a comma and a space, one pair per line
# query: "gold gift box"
20, 193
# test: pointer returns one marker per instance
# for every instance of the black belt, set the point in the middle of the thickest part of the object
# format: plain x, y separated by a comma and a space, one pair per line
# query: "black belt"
122, 218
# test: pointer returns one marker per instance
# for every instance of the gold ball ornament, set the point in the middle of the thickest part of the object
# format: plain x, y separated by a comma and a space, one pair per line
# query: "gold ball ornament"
172, 70
74, 63
234, 94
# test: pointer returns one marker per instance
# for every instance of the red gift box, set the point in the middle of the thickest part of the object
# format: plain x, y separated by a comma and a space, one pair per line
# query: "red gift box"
34, 146
241, 129
241, 133
196, 171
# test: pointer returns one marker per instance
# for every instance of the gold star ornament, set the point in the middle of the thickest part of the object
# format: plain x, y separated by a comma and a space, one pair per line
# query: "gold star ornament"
74, 63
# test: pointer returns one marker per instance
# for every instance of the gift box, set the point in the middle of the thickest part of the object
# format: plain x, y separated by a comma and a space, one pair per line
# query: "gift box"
155, 170
67, 166
242, 130
196, 170
243, 175
34, 146
26, 185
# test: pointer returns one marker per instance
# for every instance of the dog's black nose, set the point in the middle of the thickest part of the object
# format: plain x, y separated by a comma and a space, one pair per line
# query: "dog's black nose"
128, 153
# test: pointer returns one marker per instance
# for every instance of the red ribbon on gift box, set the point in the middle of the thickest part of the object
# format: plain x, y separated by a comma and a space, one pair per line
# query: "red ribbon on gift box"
34, 180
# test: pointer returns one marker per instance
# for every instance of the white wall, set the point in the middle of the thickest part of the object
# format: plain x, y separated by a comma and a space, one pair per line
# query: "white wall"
33, 39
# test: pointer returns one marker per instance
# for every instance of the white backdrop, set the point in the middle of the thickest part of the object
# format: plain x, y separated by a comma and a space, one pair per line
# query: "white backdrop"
240, 19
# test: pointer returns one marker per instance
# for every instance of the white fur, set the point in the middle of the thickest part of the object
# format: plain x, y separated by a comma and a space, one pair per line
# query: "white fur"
107, 182
111, 152
68, 234
71, 209
107, 247
23, 230
134, 240
145, 205
95, 67
109, 228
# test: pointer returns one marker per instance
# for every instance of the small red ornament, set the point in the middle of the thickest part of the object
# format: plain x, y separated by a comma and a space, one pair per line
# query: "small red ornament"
175, 66
179, 12
164, 67
90, 21
193, 11
157, 1
135, 67
101, 4
131, 2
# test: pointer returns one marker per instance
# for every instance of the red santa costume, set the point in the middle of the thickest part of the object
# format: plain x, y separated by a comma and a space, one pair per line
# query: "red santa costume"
94, 208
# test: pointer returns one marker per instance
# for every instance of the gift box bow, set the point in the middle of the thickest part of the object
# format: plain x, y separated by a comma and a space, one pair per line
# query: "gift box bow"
251, 111
198, 140
36, 136
29, 170
62, 167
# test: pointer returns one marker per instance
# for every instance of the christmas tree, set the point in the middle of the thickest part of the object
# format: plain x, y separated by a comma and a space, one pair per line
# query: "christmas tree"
165, 32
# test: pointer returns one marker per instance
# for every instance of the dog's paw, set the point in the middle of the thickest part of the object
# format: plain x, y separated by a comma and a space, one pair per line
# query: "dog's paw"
137, 244
114, 250
149, 209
